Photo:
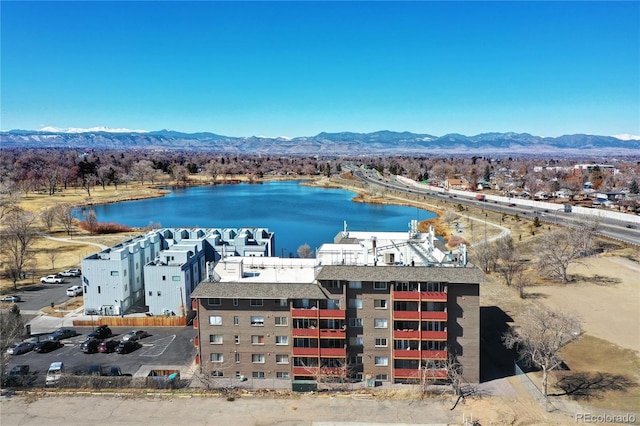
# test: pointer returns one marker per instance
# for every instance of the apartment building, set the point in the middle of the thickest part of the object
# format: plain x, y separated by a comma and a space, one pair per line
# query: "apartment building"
384, 306
157, 271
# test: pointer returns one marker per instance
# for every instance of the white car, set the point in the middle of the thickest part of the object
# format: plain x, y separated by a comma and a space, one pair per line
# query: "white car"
73, 291
70, 273
51, 279
54, 373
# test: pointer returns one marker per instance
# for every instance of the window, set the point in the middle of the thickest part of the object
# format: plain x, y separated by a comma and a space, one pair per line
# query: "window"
257, 340
282, 321
214, 301
380, 303
379, 285
175, 278
150, 293
236, 339
355, 341
355, 322
381, 342
217, 373
355, 284
164, 278
114, 273
215, 319
382, 360
355, 303
333, 284
356, 359
281, 303
282, 359
257, 321
282, 374
237, 358
258, 374
282, 340
380, 323
98, 289
215, 339
236, 320
255, 303
235, 301
382, 377
217, 358
257, 358
159, 293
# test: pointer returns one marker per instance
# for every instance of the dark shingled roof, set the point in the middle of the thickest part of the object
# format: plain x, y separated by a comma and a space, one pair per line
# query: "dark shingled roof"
463, 275
230, 290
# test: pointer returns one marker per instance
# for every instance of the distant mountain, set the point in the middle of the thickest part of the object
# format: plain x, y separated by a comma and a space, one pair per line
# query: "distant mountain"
344, 143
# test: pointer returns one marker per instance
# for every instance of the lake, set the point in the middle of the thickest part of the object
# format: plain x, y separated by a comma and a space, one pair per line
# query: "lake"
297, 214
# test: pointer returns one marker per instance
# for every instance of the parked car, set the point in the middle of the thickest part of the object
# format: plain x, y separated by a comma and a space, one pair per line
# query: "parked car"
17, 376
63, 333
73, 291
20, 348
47, 346
135, 335
71, 273
108, 346
116, 372
95, 370
13, 298
102, 332
90, 346
127, 346
52, 279
54, 373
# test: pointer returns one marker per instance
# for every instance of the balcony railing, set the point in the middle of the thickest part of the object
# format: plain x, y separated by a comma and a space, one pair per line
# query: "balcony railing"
333, 352
433, 335
304, 332
427, 296
406, 334
434, 354
332, 313
410, 373
305, 371
306, 351
416, 316
304, 313
333, 333
433, 315
406, 354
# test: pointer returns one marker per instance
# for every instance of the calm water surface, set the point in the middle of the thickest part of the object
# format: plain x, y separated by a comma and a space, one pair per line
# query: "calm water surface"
297, 214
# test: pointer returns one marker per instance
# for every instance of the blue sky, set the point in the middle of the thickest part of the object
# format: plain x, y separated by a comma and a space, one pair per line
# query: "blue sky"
299, 68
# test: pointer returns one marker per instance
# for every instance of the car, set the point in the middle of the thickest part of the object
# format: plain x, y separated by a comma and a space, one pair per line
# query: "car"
102, 332
52, 279
20, 348
47, 346
116, 372
135, 335
108, 346
127, 346
17, 376
63, 333
73, 291
95, 370
13, 298
90, 346
54, 373
70, 273
511, 204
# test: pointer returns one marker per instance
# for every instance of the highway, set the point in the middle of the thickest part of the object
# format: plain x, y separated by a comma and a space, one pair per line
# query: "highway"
628, 232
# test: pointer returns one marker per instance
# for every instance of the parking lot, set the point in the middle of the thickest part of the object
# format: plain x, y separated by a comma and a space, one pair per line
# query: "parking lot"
166, 347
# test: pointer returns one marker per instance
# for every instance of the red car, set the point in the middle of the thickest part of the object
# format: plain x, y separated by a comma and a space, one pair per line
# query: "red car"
108, 346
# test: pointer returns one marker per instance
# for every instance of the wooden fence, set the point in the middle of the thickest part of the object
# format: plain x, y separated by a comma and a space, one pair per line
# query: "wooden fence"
159, 321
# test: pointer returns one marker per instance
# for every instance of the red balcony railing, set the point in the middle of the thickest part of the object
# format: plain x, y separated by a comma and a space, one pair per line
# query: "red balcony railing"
433, 335
304, 332
195, 323
305, 371
304, 313
433, 315
434, 354
406, 334
406, 373
406, 315
194, 304
333, 352
406, 295
332, 313
433, 296
332, 333
306, 351
406, 354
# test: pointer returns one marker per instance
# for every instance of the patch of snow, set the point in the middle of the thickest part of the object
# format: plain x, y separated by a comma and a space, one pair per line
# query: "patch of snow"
89, 130
627, 137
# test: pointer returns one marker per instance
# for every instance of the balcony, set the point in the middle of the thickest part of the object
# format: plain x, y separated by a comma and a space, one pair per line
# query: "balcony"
433, 335
406, 315
406, 295
433, 296
406, 334
194, 304
333, 334
333, 352
406, 354
195, 323
406, 373
332, 313
305, 371
433, 315
305, 313
304, 332
434, 354
306, 351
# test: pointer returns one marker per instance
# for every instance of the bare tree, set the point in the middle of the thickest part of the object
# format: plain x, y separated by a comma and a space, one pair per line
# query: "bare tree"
16, 240
558, 249
305, 252
540, 336
449, 216
509, 263
11, 330
485, 255
65, 217
8, 203
48, 217
53, 256
91, 220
